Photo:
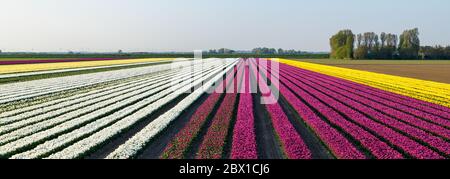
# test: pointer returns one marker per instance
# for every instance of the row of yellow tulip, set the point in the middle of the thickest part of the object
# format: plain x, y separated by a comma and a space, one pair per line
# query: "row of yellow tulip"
6, 69
434, 92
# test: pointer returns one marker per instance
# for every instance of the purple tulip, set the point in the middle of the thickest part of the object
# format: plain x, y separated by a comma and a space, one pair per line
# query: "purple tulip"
179, 145
292, 144
339, 145
244, 138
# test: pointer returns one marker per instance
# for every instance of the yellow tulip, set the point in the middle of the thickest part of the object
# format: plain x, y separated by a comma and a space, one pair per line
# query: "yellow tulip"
5, 69
434, 92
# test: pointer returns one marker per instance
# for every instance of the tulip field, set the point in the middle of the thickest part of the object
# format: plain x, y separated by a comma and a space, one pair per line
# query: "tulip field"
218, 109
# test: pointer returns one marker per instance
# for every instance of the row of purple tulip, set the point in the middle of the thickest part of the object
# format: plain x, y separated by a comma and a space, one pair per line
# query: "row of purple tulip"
414, 132
364, 90
369, 141
180, 144
437, 117
213, 144
403, 116
244, 137
335, 141
410, 146
292, 144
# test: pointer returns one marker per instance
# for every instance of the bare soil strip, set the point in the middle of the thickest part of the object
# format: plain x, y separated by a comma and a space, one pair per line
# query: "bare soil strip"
317, 148
267, 142
229, 140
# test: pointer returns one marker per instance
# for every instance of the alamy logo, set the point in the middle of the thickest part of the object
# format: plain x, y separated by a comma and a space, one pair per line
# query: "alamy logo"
228, 75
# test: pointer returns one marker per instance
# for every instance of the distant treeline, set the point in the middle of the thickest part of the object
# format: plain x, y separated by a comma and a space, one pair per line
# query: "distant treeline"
370, 45
258, 51
124, 55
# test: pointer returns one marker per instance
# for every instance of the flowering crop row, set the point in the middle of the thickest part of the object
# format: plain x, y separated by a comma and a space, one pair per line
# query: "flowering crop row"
139, 112
69, 138
377, 147
392, 111
349, 100
17, 62
5, 69
24, 90
350, 116
59, 112
132, 147
25, 74
148, 95
435, 117
383, 96
181, 142
292, 143
27, 112
89, 122
213, 143
62, 108
403, 142
244, 138
434, 92
101, 108
335, 141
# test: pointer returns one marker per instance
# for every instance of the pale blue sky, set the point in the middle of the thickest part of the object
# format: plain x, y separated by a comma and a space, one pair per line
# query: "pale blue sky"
185, 25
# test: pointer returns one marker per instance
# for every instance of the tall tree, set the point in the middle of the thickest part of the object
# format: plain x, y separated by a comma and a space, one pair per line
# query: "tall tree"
361, 50
409, 44
388, 46
342, 45
383, 38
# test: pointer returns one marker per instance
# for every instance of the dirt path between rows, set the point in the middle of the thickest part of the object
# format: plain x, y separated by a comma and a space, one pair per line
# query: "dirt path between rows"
267, 143
314, 143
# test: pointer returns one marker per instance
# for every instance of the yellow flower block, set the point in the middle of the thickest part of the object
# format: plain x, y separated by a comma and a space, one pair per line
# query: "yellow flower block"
5, 69
434, 92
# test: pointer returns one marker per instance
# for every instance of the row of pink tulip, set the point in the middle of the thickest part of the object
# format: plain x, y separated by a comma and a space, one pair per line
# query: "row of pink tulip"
408, 145
349, 100
335, 141
413, 104
397, 108
213, 144
403, 116
292, 144
180, 144
244, 138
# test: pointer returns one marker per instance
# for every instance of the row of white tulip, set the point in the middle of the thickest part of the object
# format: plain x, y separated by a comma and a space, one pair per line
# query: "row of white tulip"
7, 89
82, 147
108, 87
98, 109
73, 82
80, 101
45, 102
138, 142
76, 109
23, 90
14, 75
67, 139
25, 105
69, 125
